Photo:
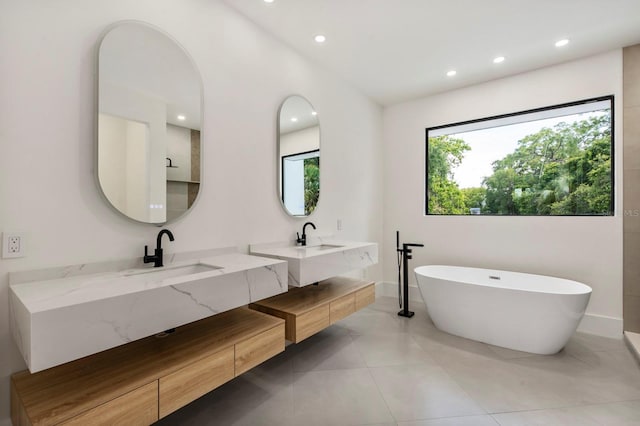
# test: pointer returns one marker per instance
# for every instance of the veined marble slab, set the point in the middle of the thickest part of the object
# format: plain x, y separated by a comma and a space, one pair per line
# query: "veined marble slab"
63, 318
320, 259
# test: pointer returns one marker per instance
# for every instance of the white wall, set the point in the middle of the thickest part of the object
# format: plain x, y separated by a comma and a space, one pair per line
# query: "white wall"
47, 127
587, 249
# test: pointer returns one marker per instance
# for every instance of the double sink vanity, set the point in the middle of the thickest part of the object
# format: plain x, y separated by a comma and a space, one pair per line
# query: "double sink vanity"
128, 343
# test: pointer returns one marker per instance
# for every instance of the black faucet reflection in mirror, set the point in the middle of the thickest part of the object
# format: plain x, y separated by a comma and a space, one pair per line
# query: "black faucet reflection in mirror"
157, 254
302, 240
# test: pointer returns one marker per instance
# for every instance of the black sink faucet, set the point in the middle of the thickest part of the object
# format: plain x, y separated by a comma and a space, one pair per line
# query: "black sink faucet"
157, 254
303, 239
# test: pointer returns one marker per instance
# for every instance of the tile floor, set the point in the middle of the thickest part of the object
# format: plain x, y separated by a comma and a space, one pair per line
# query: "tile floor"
375, 368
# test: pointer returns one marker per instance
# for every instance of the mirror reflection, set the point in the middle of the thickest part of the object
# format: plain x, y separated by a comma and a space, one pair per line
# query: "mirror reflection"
149, 120
298, 156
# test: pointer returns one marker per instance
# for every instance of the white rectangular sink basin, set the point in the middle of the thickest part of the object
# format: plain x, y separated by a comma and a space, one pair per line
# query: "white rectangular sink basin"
171, 272
320, 260
67, 313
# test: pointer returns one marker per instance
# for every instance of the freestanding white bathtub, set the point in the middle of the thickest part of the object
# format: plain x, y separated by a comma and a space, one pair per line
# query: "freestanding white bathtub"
525, 312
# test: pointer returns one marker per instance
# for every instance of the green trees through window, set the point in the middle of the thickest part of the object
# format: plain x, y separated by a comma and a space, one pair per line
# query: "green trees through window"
559, 164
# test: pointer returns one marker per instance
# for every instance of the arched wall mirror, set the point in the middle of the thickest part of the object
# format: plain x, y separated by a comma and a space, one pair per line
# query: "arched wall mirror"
149, 124
298, 156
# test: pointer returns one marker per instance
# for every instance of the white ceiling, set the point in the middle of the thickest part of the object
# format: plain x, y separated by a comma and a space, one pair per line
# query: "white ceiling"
396, 50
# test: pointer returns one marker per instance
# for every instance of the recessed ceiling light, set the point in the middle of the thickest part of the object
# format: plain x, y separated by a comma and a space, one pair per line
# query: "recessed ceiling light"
498, 60
294, 119
320, 38
182, 117
268, 1
314, 113
451, 73
562, 42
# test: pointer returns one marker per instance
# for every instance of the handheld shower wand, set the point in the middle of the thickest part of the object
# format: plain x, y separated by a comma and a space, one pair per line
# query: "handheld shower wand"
404, 255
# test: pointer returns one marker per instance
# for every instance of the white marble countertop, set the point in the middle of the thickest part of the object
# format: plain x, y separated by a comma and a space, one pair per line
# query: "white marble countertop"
61, 314
56, 293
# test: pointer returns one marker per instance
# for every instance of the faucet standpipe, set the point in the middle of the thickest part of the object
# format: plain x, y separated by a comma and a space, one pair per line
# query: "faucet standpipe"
302, 240
404, 254
157, 254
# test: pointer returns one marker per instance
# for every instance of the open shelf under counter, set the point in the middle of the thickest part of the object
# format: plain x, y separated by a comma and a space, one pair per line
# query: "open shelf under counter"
145, 380
308, 310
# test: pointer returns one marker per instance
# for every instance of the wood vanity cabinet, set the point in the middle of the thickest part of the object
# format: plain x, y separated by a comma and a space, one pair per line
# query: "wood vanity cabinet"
145, 380
310, 309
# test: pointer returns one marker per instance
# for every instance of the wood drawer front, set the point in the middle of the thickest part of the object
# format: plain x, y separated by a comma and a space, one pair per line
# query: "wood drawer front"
189, 383
138, 407
18, 414
311, 322
258, 349
342, 307
365, 296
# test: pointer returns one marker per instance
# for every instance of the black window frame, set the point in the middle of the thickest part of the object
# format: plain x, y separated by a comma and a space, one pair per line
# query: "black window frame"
610, 98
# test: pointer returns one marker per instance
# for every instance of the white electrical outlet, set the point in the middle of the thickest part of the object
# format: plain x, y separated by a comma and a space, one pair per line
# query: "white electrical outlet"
13, 245
339, 225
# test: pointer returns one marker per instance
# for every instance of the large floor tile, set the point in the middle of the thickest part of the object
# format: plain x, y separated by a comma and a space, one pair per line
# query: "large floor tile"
421, 391
583, 342
369, 321
326, 352
612, 376
612, 414
439, 344
624, 413
392, 349
518, 384
454, 421
555, 417
338, 397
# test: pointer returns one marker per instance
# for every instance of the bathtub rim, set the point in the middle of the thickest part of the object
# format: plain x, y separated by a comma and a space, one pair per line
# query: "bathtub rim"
579, 287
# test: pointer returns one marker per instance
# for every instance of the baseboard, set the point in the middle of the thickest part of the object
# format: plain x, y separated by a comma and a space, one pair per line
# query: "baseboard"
601, 325
389, 289
593, 324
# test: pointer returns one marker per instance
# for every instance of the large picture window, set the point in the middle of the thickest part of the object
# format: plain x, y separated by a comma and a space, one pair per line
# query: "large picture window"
544, 162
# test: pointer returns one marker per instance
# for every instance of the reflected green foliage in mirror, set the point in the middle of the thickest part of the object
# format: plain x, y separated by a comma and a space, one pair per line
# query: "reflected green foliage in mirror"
311, 184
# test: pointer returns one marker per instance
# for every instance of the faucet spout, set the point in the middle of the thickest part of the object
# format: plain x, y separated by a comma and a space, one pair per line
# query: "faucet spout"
159, 238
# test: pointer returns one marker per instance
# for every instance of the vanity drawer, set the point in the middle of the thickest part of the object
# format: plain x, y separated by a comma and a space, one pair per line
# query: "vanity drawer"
342, 308
189, 383
365, 296
138, 407
311, 322
258, 349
